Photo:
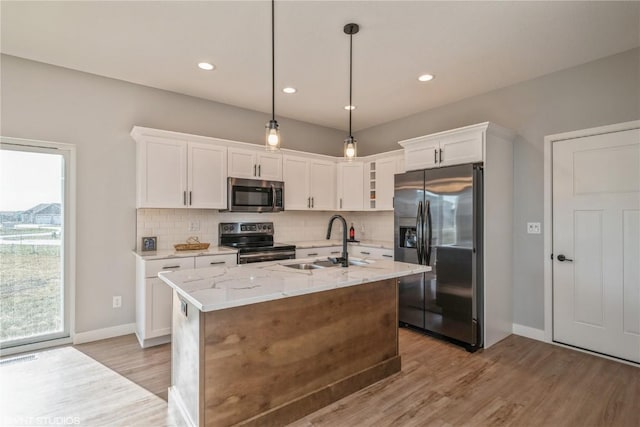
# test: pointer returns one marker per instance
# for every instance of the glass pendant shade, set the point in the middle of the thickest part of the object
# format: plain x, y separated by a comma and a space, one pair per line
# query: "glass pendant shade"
350, 149
272, 140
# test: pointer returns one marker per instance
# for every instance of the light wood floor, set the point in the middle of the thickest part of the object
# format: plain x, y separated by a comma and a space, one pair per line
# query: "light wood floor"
517, 382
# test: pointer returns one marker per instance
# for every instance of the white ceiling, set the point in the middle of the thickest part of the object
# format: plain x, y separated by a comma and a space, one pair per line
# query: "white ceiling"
471, 47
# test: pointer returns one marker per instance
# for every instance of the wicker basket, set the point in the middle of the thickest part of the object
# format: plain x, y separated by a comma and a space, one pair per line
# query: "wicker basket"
193, 244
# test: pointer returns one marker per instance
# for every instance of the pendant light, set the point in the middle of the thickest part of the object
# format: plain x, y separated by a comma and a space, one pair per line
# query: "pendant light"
272, 137
350, 147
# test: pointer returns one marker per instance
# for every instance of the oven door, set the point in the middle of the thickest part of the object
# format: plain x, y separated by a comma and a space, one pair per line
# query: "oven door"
250, 195
265, 256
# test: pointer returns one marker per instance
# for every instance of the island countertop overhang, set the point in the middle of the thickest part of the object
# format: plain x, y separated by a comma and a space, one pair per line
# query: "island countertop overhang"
218, 288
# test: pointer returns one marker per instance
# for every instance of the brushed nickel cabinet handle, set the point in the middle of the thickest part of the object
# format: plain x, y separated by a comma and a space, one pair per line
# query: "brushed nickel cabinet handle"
387, 256
259, 170
435, 156
441, 156
254, 170
216, 262
365, 253
170, 266
184, 198
313, 254
190, 198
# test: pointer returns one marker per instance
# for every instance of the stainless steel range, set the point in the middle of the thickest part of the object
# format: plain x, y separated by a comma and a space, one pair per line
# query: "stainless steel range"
254, 241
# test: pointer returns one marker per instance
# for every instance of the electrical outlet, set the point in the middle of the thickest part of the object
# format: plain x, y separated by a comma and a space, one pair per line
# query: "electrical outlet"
117, 301
194, 226
533, 228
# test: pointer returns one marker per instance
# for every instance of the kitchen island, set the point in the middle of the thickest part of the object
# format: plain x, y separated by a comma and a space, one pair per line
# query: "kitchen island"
265, 344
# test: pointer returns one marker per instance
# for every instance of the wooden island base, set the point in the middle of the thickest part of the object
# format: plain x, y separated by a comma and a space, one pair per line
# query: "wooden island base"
273, 362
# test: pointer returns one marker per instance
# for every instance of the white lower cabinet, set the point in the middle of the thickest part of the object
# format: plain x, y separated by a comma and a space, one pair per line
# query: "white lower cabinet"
154, 297
326, 251
355, 251
370, 253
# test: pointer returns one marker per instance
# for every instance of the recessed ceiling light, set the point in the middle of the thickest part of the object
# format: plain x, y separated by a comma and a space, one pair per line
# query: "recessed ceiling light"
289, 90
206, 66
426, 77
349, 107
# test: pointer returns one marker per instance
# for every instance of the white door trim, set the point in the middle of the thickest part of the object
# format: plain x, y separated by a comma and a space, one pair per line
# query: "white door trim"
548, 205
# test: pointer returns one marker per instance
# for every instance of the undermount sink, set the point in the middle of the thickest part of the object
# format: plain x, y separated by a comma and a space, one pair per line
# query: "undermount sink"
304, 266
324, 264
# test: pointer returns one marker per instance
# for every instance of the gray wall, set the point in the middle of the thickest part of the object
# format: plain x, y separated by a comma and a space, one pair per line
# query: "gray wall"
598, 93
50, 103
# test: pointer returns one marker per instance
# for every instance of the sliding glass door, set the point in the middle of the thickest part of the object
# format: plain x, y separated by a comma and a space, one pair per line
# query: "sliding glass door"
34, 291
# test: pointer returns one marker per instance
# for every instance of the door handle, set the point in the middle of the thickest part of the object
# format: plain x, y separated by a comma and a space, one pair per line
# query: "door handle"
259, 170
435, 156
563, 258
190, 198
184, 198
441, 156
312, 202
309, 202
419, 232
340, 203
430, 229
254, 170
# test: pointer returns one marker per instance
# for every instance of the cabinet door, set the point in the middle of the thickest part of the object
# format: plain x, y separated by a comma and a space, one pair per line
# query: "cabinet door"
295, 171
270, 167
322, 185
421, 155
159, 296
207, 181
162, 173
463, 147
350, 186
242, 163
385, 170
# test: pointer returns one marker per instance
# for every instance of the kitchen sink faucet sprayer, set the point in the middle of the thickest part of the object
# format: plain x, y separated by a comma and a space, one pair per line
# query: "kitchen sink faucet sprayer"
345, 256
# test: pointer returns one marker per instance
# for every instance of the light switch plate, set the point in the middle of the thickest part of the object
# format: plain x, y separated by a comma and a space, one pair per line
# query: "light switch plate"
533, 228
194, 226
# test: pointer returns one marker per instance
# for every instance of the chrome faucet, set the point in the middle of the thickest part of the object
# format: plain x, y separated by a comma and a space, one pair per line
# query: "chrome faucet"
345, 256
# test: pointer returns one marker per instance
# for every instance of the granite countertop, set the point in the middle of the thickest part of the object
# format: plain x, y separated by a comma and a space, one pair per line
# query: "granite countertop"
213, 250
217, 288
308, 244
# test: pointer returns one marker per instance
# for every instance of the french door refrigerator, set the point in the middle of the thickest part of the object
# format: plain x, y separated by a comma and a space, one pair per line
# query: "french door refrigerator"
438, 222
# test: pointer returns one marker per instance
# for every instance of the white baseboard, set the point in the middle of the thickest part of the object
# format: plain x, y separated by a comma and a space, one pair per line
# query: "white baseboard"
101, 334
529, 332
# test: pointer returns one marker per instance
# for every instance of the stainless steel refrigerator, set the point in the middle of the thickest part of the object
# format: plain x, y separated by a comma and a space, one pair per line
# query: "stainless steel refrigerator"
438, 222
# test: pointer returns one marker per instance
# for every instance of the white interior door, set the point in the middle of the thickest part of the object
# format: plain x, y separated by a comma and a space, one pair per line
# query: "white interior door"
596, 228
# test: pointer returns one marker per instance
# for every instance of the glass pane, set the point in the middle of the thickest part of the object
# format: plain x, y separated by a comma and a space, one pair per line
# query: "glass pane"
31, 267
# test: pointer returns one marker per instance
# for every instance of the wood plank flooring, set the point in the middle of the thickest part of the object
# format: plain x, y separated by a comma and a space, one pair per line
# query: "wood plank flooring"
518, 382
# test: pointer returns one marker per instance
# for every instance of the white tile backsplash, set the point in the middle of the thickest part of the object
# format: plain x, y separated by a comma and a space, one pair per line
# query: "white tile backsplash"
171, 226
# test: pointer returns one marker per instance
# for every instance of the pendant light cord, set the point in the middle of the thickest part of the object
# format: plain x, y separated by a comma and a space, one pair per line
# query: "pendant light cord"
273, 62
350, 80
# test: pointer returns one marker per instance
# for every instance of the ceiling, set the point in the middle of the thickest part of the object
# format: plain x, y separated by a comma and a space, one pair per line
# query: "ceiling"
471, 47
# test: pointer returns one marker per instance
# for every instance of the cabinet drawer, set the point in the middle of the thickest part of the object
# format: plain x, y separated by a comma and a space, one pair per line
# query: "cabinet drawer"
153, 267
371, 253
216, 260
326, 251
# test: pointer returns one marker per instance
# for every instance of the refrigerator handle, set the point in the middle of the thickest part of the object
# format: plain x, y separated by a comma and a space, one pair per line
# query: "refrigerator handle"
419, 234
430, 234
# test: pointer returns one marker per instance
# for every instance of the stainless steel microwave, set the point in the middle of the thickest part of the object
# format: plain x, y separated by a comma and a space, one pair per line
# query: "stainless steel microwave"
253, 195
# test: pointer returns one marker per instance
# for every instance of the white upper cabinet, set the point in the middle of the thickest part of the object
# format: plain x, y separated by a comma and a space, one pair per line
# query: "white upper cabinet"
296, 182
379, 180
161, 173
350, 186
309, 183
254, 164
459, 146
322, 185
175, 173
207, 176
